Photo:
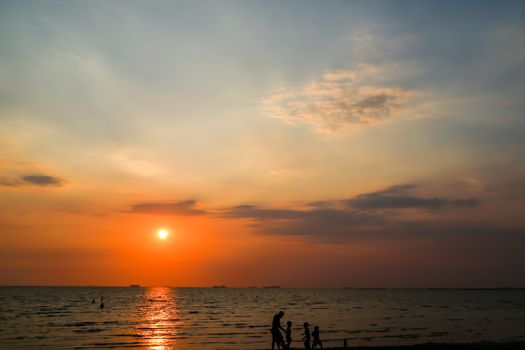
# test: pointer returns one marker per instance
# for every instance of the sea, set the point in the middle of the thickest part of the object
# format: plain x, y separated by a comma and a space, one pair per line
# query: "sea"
240, 318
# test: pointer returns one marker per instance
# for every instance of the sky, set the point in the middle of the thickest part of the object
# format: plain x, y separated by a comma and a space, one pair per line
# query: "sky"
293, 143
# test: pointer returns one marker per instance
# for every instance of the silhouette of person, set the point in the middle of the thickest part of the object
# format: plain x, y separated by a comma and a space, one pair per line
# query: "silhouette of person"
277, 337
101, 305
317, 339
93, 301
288, 334
306, 338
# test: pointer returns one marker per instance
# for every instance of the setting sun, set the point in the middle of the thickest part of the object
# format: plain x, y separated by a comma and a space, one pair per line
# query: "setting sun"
163, 233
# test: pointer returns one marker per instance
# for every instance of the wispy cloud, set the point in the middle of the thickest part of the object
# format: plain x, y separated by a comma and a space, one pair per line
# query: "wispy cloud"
134, 162
339, 100
183, 208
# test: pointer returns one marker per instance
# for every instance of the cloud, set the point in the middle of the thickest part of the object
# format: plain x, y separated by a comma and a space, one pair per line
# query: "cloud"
42, 180
182, 208
321, 223
360, 216
10, 182
338, 226
373, 214
341, 100
259, 213
397, 197
37, 180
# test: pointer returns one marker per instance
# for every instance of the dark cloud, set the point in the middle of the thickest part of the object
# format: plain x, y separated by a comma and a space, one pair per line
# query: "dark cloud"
402, 202
336, 226
321, 223
332, 225
366, 215
185, 208
36, 179
42, 180
398, 197
301, 222
360, 216
259, 213
317, 215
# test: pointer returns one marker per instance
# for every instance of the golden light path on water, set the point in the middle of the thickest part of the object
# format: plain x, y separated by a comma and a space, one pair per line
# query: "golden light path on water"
160, 319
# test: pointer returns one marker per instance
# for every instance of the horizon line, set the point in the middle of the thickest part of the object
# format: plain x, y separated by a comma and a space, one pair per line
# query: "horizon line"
258, 287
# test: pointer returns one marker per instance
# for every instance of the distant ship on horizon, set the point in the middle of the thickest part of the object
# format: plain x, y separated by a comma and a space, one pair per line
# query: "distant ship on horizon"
134, 285
222, 286
274, 286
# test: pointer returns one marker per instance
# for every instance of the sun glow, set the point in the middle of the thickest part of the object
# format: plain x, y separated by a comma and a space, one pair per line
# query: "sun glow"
163, 233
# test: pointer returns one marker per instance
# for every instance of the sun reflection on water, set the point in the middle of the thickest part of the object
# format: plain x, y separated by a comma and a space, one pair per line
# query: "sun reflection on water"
159, 318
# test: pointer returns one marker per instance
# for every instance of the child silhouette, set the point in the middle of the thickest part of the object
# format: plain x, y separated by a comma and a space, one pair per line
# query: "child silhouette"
288, 334
317, 340
306, 338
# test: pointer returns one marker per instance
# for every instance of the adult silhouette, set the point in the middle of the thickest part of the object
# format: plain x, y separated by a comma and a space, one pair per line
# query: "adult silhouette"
277, 336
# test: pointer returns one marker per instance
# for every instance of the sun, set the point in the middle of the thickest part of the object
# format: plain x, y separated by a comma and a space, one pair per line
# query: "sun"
163, 233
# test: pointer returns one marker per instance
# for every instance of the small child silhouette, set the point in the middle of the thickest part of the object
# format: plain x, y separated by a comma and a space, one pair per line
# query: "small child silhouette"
317, 340
288, 334
306, 337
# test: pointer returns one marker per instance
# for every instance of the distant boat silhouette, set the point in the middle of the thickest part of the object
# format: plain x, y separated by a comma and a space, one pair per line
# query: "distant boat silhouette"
134, 285
271, 286
223, 286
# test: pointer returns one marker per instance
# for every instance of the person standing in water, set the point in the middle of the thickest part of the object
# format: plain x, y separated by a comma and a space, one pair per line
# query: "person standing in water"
306, 338
288, 334
277, 337
317, 339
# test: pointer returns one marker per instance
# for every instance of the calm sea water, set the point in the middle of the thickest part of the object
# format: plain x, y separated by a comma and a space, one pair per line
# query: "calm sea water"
201, 318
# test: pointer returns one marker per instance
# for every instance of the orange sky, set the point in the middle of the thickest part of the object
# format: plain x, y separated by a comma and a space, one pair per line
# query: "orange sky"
312, 144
